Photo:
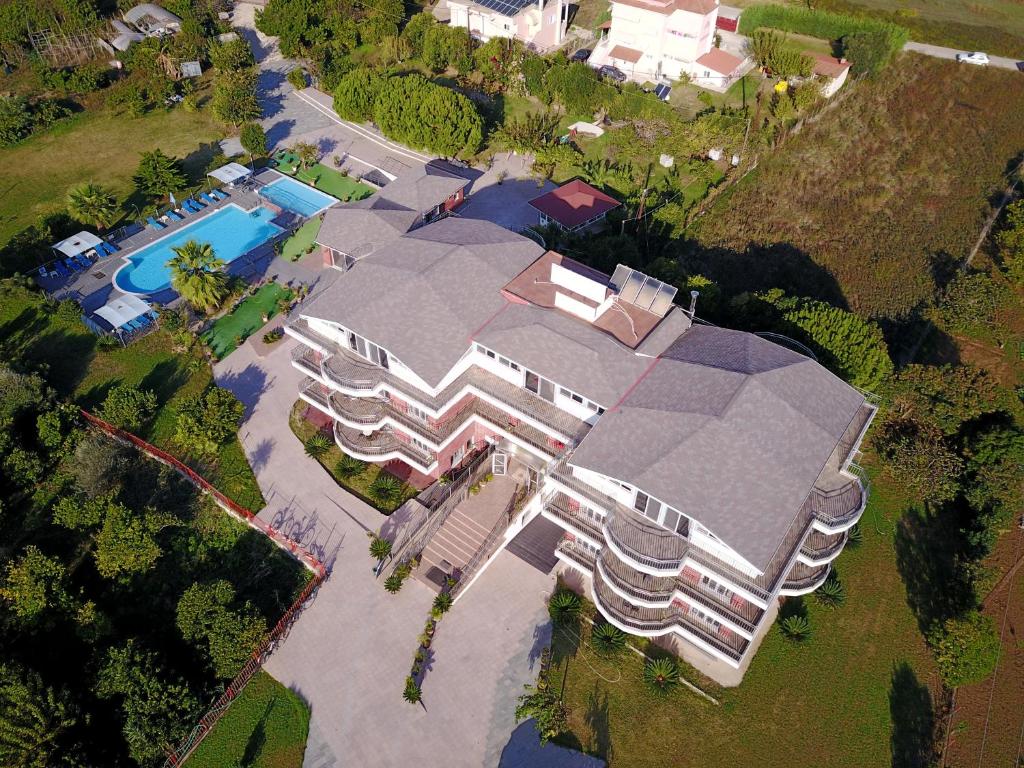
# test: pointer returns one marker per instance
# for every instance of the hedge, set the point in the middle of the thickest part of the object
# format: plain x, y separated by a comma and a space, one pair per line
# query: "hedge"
823, 24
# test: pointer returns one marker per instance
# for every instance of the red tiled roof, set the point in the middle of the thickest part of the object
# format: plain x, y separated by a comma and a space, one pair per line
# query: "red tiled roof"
703, 7
719, 61
621, 52
827, 66
574, 203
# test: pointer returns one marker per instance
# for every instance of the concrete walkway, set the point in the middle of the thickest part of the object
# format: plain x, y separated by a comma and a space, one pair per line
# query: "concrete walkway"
349, 653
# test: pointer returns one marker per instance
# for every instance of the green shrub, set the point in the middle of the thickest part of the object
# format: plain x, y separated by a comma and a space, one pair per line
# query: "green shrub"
273, 336
386, 489
823, 24
443, 603
661, 674
832, 593
607, 639
564, 607
966, 648
297, 78
318, 445
393, 583
797, 628
379, 548
349, 466
412, 692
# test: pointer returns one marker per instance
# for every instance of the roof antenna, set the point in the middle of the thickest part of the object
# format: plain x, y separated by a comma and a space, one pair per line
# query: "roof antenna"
693, 302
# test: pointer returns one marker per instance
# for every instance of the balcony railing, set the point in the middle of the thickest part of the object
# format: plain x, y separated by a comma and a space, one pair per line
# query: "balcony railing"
806, 578
662, 620
300, 327
642, 586
307, 360
746, 615
379, 443
644, 541
559, 505
839, 506
582, 557
822, 546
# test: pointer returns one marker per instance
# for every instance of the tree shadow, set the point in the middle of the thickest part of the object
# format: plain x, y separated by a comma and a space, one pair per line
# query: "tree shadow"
930, 558
598, 718
198, 160
248, 385
257, 739
166, 378
913, 720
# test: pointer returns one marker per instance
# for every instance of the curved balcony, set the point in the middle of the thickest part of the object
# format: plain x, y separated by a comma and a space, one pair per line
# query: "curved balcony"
567, 512
633, 585
576, 555
643, 543
803, 579
820, 548
381, 445
838, 508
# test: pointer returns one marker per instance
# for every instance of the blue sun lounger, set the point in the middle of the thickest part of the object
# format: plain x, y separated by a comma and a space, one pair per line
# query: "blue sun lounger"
111, 248
192, 205
206, 198
154, 223
73, 265
60, 269
173, 215
84, 261
219, 194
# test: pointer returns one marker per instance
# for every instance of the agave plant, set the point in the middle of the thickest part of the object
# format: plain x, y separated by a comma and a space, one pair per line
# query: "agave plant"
855, 536
832, 593
393, 583
349, 466
412, 692
317, 445
386, 488
607, 639
564, 606
443, 602
661, 674
796, 627
379, 548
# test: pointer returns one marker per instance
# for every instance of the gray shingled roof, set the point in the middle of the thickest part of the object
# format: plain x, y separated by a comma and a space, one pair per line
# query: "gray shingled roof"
358, 232
566, 350
728, 428
424, 295
419, 189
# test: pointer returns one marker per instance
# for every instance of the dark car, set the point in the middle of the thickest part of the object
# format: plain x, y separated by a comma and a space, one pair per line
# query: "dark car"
581, 55
612, 73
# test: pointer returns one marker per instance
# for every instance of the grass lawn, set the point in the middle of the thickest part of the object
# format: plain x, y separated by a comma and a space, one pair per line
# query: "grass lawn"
78, 369
590, 13
265, 727
360, 484
99, 147
334, 183
742, 93
845, 697
296, 246
227, 332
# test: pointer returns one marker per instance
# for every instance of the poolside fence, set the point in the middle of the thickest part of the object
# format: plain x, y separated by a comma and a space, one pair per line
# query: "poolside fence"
177, 755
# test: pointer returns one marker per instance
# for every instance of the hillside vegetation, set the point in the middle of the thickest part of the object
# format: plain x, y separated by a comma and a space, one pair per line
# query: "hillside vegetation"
866, 205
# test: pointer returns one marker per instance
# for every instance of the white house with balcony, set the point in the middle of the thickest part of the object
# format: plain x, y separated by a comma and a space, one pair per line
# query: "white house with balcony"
540, 24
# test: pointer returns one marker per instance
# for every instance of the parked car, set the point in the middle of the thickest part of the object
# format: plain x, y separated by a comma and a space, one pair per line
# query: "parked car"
974, 57
612, 73
581, 55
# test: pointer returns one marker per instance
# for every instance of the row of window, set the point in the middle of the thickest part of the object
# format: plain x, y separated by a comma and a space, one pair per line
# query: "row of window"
534, 382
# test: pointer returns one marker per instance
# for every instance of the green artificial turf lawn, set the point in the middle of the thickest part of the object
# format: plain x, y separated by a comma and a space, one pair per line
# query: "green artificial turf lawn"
265, 727
296, 246
223, 335
328, 180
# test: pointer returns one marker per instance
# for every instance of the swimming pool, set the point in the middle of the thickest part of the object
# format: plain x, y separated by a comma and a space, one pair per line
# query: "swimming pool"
296, 196
231, 231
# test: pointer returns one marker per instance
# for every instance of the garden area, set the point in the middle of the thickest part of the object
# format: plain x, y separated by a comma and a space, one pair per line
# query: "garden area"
230, 331
370, 482
168, 364
303, 239
266, 727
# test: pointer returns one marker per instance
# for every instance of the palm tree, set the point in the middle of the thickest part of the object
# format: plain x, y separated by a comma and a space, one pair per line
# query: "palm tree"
198, 275
307, 153
661, 673
92, 204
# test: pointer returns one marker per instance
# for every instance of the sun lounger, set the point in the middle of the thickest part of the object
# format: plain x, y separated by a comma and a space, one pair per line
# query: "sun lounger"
173, 215
73, 265
206, 198
81, 259
110, 248
220, 194
195, 205
61, 270
154, 223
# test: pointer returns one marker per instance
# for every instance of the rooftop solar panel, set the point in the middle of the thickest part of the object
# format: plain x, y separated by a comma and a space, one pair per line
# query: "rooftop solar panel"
632, 287
505, 7
646, 296
663, 300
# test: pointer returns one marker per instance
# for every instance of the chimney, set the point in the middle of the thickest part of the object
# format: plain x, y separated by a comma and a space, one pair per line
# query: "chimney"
693, 302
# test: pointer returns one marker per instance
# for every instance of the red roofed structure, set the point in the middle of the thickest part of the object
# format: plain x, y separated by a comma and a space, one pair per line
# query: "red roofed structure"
574, 206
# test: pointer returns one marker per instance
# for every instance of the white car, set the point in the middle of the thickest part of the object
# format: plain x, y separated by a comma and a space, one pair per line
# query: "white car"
974, 57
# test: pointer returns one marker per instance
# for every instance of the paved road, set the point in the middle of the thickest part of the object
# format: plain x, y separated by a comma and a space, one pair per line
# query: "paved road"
349, 653
950, 53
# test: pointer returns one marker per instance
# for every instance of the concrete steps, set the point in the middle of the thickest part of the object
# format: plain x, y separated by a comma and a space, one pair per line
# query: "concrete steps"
456, 542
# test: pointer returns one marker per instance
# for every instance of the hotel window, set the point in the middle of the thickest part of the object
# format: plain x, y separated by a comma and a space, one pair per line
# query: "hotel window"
724, 592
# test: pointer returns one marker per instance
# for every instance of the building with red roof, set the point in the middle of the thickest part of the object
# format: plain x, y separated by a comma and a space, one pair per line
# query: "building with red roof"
574, 206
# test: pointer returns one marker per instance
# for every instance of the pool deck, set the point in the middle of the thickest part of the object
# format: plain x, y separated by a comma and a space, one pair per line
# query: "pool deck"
91, 288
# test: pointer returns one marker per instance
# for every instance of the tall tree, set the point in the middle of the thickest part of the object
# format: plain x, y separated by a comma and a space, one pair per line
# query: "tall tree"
92, 204
158, 174
206, 614
198, 275
207, 421
34, 586
254, 139
33, 719
234, 98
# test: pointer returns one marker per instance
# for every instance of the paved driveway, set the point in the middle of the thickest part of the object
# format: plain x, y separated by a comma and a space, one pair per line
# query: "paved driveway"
940, 52
349, 653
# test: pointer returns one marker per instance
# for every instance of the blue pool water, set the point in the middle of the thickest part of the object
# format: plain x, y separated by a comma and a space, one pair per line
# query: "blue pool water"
296, 196
231, 231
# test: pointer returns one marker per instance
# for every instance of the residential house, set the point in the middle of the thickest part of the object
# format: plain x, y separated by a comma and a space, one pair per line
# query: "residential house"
574, 206
540, 25
698, 473
830, 71
657, 40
